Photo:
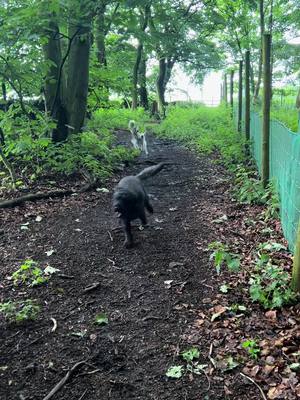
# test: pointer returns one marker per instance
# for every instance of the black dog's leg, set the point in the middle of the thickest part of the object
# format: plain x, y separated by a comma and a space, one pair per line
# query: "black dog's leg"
148, 206
128, 235
143, 218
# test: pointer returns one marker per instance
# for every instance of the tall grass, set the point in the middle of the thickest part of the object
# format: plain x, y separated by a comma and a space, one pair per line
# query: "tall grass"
205, 129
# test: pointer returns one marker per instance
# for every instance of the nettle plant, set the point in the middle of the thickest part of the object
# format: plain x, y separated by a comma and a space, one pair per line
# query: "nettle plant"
252, 348
272, 201
248, 189
221, 256
20, 311
29, 274
190, 356
270, 283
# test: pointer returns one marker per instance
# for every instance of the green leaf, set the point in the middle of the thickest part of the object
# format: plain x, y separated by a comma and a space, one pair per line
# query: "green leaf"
190, 354
295, 366
233, 264
175, 372
224, 288
101, 319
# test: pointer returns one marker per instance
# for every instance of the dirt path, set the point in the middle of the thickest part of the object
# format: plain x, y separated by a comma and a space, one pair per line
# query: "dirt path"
148, 316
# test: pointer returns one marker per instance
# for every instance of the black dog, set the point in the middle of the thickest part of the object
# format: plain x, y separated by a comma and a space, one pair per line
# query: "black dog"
130, 200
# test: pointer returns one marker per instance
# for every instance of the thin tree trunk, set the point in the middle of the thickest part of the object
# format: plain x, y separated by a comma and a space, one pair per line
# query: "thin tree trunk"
54, 82
100, 34
143, 83
78, 71
139, 51
260, 61
160, 88
144, 18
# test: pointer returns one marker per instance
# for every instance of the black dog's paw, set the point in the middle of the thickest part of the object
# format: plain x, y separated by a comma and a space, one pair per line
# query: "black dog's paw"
150, 209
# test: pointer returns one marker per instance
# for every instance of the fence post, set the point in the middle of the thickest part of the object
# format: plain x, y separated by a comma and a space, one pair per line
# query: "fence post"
225, 88
231, 88
247, 95
296, 264
240, 102
267, 79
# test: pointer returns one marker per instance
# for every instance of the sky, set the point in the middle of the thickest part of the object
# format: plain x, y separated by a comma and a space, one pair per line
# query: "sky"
184, 89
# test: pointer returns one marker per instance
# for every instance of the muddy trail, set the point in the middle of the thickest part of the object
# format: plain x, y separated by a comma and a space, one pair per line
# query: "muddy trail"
151, 294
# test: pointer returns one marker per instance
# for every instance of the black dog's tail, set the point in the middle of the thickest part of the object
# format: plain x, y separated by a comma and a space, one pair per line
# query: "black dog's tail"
150, 171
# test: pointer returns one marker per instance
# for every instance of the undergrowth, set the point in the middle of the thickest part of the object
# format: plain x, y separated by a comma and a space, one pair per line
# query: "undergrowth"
31, 152
205, 129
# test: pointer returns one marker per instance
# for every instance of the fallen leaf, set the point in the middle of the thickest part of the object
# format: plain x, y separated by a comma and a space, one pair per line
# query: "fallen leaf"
102, 190
275, 393
272, 315
50, 270
168, 284
49, 252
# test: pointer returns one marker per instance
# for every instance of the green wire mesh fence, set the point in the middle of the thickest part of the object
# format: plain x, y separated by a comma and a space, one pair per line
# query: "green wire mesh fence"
284, 170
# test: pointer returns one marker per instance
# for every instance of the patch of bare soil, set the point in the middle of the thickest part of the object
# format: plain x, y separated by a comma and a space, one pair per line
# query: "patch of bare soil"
158, 296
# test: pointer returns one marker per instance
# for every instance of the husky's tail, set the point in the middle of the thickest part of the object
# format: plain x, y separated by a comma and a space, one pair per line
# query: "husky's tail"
150, 171
132, 126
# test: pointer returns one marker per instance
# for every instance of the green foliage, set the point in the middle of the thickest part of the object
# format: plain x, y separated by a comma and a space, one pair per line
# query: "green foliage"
190, 354
175, 372
248, 189
92, 150
30, 274
206, 129
117, 118
269, 283
20, 311
101, 319
287, 116
221, 255
252, 347
89, 151
272, 202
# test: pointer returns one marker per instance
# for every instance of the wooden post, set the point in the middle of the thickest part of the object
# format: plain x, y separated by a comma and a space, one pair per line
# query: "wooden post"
231, 87
225, 89
240, 102
296, 264
221, 93
247, 95
267, 79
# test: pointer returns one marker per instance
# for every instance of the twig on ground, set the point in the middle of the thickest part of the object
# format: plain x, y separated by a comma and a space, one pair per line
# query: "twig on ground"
63, 276
83, 394
210, 357
91, 287
44, 195
111, 238
150, 317
64, 380
251, 380
54, 324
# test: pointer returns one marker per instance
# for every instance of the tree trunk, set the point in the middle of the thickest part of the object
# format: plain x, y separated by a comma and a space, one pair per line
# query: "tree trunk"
260, 62
54, 81
100, 34
78, 70
139, 51
160, 86
169, 67
143, 83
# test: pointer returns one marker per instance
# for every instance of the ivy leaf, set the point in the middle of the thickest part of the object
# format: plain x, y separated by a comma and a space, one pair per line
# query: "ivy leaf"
175, 372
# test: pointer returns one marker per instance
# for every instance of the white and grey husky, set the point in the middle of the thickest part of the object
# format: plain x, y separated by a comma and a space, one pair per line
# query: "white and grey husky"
138, 139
